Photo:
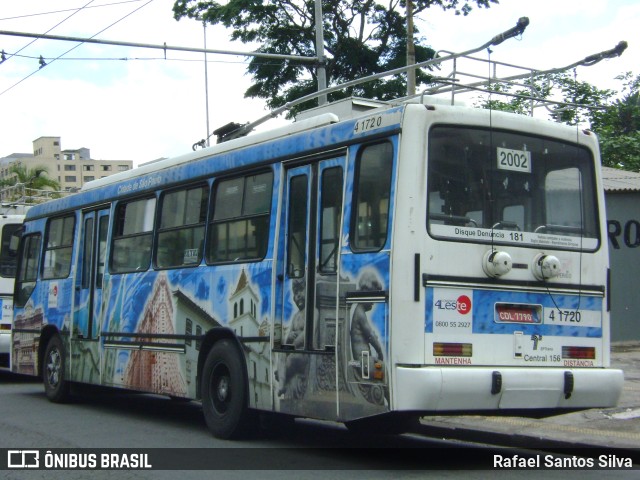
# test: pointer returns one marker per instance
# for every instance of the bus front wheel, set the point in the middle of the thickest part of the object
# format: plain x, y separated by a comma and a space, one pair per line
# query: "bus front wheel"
224, 391
56, 387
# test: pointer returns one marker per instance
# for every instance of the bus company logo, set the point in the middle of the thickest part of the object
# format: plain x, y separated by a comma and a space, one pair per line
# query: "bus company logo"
536, 339
23, 459
462, 304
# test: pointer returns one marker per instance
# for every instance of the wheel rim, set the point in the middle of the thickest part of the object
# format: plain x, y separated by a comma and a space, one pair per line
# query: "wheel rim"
221, 389
54, 362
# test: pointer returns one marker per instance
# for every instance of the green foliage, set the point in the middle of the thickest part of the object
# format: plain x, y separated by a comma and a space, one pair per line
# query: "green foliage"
33, 180
618, 127
614, 116
362, 37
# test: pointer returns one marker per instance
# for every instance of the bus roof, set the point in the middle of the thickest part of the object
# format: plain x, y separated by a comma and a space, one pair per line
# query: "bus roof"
297, 127
302, 137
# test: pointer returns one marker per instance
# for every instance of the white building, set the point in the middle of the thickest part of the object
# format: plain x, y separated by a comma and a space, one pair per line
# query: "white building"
71, 168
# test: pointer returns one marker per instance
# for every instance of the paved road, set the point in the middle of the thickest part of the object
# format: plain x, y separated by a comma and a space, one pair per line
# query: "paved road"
103, 419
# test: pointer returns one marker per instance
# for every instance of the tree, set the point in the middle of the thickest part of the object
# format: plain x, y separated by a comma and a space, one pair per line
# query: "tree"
361, 37
614, 116
30, 179
618, 127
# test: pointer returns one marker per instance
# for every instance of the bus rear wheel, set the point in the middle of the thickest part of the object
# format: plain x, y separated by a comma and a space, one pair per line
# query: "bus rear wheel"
224, 392
56, 387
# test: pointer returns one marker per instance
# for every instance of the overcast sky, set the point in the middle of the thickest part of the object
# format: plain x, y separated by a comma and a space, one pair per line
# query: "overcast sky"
147, 107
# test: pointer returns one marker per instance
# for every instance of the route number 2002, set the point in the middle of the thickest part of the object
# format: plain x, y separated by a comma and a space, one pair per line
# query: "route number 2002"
516, 160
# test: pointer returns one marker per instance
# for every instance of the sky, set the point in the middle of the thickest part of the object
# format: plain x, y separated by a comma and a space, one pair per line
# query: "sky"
133, 104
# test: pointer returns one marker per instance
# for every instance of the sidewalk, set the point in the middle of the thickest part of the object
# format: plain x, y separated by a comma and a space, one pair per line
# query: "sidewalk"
617, 427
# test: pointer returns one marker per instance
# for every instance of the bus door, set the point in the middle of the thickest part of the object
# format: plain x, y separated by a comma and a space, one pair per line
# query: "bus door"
365, 273
85, 359
308, 289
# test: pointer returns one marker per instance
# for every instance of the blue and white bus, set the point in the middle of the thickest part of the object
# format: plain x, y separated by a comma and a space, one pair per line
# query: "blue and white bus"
415, 259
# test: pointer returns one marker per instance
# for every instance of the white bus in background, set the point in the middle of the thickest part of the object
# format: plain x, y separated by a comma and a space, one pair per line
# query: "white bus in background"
10, 222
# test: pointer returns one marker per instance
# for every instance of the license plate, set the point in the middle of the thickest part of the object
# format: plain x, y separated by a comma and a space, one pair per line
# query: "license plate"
514, 313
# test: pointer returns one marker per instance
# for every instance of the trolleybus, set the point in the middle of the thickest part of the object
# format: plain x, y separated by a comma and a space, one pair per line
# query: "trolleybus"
414, 259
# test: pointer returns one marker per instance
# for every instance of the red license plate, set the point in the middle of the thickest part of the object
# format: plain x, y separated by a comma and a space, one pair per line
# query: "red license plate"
517, 314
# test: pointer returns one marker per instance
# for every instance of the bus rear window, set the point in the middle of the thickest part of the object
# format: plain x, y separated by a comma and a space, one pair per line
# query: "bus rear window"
506, 187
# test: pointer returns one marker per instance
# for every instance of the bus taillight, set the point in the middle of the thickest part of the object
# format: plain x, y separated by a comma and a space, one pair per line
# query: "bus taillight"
585, 353
452, 349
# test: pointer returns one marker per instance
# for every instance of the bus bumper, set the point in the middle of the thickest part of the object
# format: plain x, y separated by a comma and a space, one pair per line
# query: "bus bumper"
433, 389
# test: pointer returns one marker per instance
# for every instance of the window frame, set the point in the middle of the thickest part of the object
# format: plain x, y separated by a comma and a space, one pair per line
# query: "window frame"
21, 298
7, 261
336, 223
213, 223
117, 237
353, 224
63, 247
159, 230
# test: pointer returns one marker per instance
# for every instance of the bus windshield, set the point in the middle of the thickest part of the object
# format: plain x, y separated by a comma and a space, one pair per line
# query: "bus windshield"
504, 187
8, 250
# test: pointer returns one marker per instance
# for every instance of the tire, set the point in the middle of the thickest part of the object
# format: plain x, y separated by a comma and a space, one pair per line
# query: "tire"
56, 386
225, 392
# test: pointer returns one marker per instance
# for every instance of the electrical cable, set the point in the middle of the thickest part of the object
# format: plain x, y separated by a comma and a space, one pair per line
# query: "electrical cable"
55, 26
74, 47
116, 59
67, 10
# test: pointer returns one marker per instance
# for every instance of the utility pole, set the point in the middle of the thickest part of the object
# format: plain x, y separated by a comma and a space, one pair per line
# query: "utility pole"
411, 51
206, 83
321, 71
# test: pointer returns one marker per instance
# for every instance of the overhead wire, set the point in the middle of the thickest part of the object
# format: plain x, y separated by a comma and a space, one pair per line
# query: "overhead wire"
115, 59
74, 47
55, 26
18, 17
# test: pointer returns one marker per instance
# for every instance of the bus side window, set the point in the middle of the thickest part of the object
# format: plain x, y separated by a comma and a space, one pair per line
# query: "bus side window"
297, 244
27, 268
369, 224
181, 231
59, 247
133, 236
239, 229
330, 211
103, 227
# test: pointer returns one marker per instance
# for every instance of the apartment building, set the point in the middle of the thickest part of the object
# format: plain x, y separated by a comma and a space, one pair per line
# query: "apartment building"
71, 168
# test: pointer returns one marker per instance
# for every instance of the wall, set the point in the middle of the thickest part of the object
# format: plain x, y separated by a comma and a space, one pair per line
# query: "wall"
623, 223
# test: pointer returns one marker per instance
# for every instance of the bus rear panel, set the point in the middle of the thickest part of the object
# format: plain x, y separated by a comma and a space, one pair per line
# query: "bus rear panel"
510, 269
